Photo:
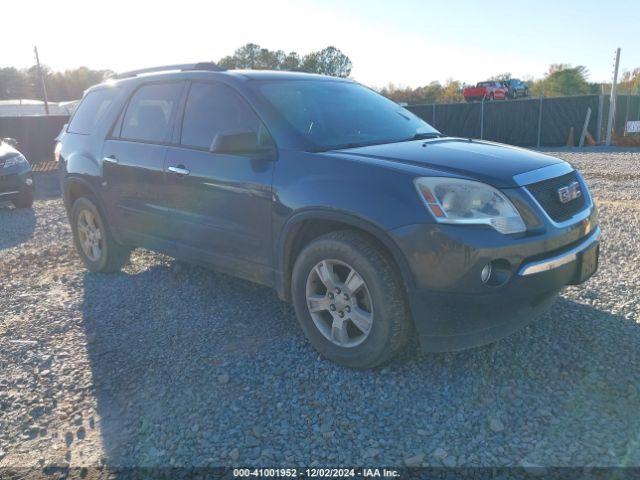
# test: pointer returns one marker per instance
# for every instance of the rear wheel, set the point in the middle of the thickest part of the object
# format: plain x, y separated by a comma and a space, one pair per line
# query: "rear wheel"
349, 300
96, 246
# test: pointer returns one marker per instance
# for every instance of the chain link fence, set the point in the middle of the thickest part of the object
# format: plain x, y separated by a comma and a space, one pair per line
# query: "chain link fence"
531, 122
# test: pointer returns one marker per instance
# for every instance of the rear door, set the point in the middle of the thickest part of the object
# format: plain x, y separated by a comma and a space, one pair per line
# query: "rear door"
133, 165
220, 203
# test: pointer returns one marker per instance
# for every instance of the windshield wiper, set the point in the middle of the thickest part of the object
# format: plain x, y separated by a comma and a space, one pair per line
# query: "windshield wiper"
346, 146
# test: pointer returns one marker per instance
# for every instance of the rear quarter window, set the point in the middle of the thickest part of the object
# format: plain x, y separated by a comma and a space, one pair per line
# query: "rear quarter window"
92, 108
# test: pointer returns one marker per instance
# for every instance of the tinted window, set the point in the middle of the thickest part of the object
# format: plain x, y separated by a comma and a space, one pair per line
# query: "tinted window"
212, 109
91, 110
332, 114
148, 116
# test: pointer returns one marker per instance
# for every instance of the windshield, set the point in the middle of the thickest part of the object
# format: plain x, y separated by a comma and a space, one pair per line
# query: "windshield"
336, 114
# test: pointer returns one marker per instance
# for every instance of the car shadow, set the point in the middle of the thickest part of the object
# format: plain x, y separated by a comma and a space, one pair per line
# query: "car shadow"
189, 365
16, 225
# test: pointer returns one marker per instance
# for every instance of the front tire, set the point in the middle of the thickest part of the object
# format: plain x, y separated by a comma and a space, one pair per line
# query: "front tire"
96, 246
349, 300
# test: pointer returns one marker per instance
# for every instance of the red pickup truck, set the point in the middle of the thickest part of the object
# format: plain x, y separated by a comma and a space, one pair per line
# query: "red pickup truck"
488, 90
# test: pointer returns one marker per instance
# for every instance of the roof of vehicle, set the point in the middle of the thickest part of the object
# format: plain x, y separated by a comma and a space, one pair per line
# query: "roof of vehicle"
153, 74
279, 75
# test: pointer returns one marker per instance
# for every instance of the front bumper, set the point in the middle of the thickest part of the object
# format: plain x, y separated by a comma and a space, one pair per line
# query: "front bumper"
453, 309
13, 184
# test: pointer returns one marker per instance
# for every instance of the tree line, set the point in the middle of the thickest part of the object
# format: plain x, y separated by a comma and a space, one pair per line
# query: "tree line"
61, 86
70, 84
560, 79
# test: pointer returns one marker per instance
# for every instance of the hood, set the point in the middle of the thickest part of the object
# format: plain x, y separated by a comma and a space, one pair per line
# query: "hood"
7, 151
492, 163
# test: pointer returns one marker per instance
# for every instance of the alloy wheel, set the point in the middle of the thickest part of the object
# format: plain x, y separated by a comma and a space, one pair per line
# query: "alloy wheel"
339, 303
90, 235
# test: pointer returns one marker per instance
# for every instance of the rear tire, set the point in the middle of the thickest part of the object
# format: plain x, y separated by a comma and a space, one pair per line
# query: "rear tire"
97, 248
377, 297
24, 199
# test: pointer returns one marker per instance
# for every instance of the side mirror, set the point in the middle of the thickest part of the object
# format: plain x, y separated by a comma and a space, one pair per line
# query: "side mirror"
238, 141
11, 141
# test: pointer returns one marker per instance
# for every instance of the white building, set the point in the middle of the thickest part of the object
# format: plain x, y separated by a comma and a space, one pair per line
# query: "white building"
23, 107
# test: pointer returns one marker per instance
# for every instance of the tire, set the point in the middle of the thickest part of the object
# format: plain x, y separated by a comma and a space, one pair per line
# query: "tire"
110, 255
381, 293
24, 199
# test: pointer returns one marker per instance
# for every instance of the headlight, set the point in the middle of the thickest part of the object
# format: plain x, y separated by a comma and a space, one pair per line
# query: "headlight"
15, 160
453, 200
56, 152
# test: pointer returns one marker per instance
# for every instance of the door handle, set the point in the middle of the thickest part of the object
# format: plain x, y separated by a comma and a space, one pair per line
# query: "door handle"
179, 170
110, 159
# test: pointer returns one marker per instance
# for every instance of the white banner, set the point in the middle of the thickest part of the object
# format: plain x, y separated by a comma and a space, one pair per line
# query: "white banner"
633, 127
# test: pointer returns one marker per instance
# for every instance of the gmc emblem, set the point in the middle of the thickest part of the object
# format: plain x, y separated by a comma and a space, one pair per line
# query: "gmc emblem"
570, 192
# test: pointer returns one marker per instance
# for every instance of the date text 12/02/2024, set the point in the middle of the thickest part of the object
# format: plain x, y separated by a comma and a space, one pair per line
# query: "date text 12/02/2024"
315, 472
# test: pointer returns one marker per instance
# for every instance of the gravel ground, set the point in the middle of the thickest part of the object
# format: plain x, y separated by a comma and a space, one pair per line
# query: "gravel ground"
169, 364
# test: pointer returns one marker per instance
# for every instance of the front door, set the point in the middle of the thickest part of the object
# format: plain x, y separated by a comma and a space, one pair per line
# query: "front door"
220, 204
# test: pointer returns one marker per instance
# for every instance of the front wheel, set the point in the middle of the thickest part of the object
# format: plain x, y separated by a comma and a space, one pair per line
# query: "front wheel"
349, 300
98, 249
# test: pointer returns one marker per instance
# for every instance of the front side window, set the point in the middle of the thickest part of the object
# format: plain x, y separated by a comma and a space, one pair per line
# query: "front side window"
92, 108
148, 116
338, 114
212, 109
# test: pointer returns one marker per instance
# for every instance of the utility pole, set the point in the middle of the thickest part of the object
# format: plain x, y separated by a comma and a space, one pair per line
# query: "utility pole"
612, 102
482, 119
539, 121
44, 88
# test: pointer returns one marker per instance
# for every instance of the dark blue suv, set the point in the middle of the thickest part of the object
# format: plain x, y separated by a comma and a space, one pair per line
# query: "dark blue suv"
372, 223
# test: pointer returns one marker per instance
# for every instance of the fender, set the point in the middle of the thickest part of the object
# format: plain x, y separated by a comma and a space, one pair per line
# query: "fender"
285, 242
69, 180
74, 179
79, 168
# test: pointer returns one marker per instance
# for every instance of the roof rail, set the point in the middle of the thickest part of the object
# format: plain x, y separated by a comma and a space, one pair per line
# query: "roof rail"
209, 66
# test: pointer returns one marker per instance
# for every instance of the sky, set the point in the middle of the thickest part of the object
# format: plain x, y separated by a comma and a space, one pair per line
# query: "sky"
404, 42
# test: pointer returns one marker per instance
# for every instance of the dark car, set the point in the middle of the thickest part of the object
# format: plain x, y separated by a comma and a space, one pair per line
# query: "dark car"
373, 224
516, 88
16, 177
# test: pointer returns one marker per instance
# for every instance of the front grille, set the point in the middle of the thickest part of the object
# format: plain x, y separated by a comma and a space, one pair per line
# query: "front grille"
546, 193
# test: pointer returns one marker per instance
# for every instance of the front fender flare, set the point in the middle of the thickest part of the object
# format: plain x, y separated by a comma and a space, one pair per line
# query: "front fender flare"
283, 257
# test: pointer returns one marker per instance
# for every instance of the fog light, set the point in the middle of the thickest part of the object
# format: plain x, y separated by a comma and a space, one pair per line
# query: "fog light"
496, 273
28, 182
486, 273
